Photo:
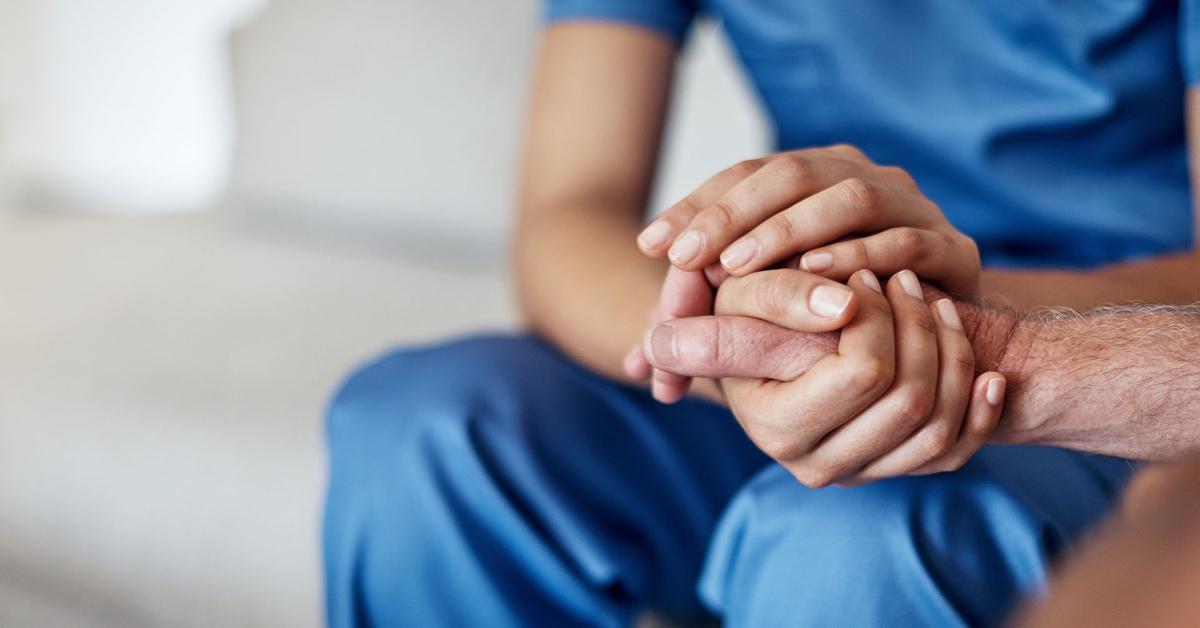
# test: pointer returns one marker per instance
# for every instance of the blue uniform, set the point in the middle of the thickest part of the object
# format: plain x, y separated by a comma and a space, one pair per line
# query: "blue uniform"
492, 482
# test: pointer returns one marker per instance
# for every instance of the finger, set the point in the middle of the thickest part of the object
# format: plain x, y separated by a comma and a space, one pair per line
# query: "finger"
716, 275
667, 387
849, 152
635, 365
921, 250
851, 206
780, 183
683, 294
909, 401
799, 414
734, 346
934, 439
789, 298
983, 414
662, 231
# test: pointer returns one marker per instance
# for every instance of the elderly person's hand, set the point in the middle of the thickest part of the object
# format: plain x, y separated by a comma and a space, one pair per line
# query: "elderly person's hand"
898, 394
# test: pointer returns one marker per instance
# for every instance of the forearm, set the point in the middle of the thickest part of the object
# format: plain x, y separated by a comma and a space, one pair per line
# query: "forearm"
583, 284
1118, 381
1170, 279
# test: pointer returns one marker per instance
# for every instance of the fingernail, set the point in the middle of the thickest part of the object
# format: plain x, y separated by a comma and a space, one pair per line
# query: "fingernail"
871, 280
829, 301
817, 262
654, 235
995, 391
911, 285
662, 343
949, 314
686, 248
739, 254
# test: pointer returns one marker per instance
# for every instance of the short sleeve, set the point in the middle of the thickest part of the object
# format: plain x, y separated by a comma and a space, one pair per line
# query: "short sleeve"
1189, 40
669, 17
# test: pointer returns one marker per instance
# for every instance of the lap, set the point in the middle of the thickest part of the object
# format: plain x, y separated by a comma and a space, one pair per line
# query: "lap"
950, 549
507, 435
491, 447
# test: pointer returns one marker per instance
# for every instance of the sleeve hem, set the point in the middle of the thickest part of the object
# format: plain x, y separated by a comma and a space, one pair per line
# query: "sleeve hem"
643, 14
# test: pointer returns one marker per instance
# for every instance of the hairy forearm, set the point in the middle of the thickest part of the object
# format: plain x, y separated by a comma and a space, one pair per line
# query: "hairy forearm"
1169, 279
583, 284
1120, 381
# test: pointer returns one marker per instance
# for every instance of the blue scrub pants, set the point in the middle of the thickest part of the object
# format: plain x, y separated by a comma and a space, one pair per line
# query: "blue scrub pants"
493, 482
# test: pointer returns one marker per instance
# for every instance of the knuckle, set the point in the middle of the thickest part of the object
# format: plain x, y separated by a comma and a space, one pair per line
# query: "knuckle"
968, 245
793, 168
724, 345
814, 476
924, 325
960, 358
848, 150
899, 175
781, 229
721, 216
706, 351
745, 167
775, 294
946, 465
870, 376
859, 194
909, 240
913, 408
935, 442
855, 254
687, 207
777, 446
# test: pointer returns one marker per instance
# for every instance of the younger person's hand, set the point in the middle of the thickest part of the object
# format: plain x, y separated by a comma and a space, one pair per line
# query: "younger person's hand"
833, 206
898, 395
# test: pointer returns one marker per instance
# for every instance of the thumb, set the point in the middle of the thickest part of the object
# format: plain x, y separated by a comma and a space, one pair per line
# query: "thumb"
734, 346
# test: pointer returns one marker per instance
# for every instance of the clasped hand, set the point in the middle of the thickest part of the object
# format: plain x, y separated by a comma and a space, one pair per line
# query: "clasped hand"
839, 382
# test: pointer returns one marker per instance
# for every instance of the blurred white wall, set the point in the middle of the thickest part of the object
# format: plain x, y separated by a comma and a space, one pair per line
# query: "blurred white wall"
396, 120
400, 119
163, 378
119, 106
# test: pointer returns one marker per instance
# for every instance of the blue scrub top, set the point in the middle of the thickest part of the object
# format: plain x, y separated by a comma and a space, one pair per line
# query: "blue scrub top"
1052, 132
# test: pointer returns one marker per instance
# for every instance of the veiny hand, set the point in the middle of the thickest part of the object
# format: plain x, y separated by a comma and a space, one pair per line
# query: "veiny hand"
823, 305
898, 396
833, 205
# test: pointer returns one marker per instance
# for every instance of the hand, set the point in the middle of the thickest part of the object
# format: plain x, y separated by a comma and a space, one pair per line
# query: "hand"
833, 205
823, 305
684, 293
898, 396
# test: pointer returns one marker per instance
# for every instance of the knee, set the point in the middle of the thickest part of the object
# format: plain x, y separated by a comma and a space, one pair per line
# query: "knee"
916, 537
395, 402
891, 521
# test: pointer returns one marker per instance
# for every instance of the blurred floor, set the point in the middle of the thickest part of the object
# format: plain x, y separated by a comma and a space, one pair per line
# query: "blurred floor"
161, 386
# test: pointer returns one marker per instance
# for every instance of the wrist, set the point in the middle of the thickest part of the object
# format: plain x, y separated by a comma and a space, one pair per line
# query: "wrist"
1007, 341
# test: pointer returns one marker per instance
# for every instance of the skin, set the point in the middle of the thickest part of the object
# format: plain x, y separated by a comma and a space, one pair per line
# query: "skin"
1140, 570
820, 203
1119, 381
599, 99
864, 409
